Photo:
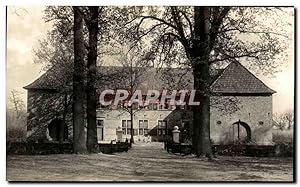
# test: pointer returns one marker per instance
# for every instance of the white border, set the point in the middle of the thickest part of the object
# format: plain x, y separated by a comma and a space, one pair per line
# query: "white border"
3, 3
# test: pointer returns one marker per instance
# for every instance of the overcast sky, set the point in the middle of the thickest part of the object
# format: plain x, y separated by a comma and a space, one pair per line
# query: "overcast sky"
25, 27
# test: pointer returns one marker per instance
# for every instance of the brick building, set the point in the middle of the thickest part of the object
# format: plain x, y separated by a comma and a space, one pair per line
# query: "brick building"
241, 108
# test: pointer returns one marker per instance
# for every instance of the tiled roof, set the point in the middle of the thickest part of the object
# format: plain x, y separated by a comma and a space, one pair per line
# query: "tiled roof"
52, 79
43, 82
236, 79
116, 77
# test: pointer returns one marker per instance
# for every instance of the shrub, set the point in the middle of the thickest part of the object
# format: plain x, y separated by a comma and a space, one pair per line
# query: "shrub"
284, 149
16, 134
282, 136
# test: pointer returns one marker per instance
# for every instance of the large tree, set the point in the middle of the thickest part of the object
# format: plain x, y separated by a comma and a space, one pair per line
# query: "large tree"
79, 137
92, 25
57, 55
207, 37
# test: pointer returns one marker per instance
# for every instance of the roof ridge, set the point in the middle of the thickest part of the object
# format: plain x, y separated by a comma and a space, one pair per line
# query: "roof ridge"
211, 85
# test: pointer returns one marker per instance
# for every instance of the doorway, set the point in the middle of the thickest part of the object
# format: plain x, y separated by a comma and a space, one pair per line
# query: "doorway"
241, 132
100, 127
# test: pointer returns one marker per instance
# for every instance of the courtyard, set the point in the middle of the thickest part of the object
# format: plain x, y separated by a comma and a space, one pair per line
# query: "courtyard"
146, 162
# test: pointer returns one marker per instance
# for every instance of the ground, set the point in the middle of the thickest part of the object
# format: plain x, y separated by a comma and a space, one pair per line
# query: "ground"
145, 162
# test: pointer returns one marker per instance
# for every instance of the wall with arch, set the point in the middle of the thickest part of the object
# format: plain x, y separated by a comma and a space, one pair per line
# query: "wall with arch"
256, 111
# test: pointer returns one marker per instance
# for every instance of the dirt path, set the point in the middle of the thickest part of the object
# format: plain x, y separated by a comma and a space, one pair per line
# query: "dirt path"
146, 162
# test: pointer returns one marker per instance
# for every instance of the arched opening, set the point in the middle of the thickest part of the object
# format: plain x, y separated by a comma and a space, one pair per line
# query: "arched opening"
241, 132
55, 127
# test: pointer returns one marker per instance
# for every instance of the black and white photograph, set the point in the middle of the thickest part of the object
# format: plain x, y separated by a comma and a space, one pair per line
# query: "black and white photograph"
150, 93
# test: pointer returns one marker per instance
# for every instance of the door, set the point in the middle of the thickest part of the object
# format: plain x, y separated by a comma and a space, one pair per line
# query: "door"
100, 125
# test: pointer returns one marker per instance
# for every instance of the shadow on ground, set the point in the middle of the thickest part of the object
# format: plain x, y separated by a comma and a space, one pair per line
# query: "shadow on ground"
146, 162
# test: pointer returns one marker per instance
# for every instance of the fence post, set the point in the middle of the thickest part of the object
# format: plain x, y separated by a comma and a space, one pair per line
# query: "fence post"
119, 133
176, 133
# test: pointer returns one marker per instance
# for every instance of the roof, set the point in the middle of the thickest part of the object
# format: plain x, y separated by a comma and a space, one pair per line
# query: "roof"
117, 77
43, 82
52, 79
236, 79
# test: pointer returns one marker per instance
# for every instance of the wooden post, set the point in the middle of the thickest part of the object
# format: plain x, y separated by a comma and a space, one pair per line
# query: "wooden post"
239, 130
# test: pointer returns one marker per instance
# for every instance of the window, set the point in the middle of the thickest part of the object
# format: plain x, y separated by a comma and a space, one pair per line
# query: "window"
150, 106
143, 127
161, 129
155, 106
126, 126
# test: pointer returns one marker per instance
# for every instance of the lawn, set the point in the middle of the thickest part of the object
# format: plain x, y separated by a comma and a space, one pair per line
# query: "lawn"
146, 162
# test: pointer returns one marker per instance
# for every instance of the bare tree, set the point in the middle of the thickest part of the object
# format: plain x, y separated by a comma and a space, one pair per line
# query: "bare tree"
17, 102
206, 36
289, 116
16, 117
135, 65
284, 120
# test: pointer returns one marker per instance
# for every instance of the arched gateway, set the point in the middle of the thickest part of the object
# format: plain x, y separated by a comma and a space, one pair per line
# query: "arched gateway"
241, 132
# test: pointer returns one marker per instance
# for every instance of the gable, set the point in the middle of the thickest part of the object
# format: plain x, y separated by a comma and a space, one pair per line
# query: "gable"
236, 79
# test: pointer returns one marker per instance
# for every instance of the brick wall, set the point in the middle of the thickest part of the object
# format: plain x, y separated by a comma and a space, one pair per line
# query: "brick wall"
44, 106
113, 120
256, 111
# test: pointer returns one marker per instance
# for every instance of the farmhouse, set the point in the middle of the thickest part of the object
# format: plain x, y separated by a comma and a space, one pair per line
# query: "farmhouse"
241, 107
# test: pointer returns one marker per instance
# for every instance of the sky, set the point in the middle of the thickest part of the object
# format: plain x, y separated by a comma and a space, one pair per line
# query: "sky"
25, 27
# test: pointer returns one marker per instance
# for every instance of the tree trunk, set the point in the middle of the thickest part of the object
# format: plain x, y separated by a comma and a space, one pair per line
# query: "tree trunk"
62, 125
200, 59
202, 113
131, 127
79, 138
92, 140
